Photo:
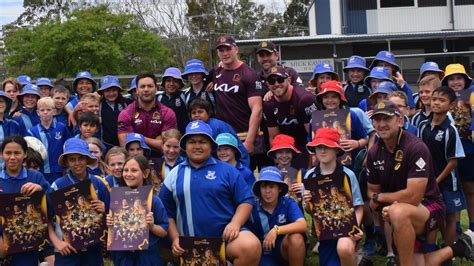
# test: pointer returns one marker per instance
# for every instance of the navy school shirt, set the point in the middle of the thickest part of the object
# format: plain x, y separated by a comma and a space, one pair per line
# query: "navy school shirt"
53, 139
162, 168
27, 120
109, 113
177, 103
203, 200
9, 127
152, 255
444, 144
246, 174
356, 93
113, 181
9, 184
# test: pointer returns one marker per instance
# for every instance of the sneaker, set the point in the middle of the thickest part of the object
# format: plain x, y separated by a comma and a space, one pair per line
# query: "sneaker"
467, 238
366, 261
391, 261
370, 246
316, 248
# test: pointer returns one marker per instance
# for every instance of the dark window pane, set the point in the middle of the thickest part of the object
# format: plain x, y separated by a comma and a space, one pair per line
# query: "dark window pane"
463, 2
362, 4
396, 3
425, 3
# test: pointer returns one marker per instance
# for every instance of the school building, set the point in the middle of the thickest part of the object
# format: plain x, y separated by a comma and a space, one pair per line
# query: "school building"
416, 31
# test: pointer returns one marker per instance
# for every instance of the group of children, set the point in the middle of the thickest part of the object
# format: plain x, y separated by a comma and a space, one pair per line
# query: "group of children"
79, 135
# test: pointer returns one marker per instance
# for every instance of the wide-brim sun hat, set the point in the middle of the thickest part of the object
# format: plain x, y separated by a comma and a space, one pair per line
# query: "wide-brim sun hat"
197, 127
323, 68
37, 146
453, 69
108, 82
331, 86
24, 80
385, 87
133, 85
44, 82
172, 72
136, 137
356, 61
387, 57
29, 89
380, 73
194, 66
282, 141
431, 67
270, 174
8, 101
84, 75
328, 137
76, 146
227, 139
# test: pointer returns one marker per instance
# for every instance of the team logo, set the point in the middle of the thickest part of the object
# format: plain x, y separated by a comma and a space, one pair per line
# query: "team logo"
222, 40
399, 155
274, 69
236, 78
275, 111
211, 175
178, 102
397, 166
156, 115
264, 44
281, 218
194, 125
58, 135
258, 85
380, 106
439, 135
292, 110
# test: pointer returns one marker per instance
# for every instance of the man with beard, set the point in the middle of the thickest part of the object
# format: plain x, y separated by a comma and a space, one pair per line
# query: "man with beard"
146, 116
288, 111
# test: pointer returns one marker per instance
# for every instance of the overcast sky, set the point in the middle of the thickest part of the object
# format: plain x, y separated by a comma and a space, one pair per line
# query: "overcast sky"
11, 9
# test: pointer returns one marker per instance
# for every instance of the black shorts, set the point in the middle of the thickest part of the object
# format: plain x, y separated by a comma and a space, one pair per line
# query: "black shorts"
435, 221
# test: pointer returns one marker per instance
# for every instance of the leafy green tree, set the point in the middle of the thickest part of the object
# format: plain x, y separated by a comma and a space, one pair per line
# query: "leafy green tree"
93, 39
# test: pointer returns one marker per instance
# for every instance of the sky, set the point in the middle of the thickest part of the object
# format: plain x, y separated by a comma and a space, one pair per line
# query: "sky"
11, 9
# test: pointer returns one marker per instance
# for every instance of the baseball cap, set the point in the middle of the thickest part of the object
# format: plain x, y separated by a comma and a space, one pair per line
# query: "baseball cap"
386, 108
225, 40
278, 71
266, 46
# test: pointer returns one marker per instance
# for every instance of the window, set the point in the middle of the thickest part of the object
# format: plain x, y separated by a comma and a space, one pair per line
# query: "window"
463, 2
426, 3
396, 3
362, 4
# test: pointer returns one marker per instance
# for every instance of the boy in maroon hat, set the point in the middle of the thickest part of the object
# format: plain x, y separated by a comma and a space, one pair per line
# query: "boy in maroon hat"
326, 145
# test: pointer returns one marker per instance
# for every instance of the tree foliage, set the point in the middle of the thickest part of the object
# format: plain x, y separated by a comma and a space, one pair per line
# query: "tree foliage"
92, 39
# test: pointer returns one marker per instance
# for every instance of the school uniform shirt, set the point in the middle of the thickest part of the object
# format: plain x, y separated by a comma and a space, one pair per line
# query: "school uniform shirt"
177, 103
109, 113
27, 120
419, 117
408, 126
356, 92
53, 139
74, 100
150, 257
112, 181
190, 95
13, 184
246, 174
285, 212
162, 168
218, 126
9, 127
203, 200
61, 117
444, 144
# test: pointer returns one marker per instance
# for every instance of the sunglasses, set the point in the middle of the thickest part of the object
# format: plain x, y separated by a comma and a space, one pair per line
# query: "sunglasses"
273, 80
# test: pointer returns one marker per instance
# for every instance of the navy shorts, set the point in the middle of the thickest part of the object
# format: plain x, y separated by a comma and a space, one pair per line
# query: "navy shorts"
465, 168
435, 221
454, 201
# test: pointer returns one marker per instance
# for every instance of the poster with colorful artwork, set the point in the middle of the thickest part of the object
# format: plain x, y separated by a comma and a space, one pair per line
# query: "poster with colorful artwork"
24, 221
129, 208
81, 225
208, 251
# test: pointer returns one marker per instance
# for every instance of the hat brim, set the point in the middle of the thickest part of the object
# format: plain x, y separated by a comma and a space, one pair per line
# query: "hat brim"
145, 147
265, 49
346, 68
182, 141
75, 81
194, 71
272, 151
319, 96
467, 79
383, 112
62, 158
257, 184
113, 85
238, 153
277, 74
224, 44
311, 147
374, 64
44, 84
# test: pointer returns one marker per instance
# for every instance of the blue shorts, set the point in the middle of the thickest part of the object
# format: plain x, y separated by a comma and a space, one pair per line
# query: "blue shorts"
273, 257
454, 201
91, 256
465, 168
328, 253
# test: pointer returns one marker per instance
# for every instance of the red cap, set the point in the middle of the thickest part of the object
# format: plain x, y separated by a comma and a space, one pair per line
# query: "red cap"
282, 141
328, 137
334, 86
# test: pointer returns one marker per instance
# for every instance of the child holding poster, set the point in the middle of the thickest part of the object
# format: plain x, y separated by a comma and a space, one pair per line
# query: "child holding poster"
14, 178
333, 198
136, 173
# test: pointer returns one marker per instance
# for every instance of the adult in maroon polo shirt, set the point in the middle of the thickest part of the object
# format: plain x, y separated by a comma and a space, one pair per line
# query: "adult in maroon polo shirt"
238, 92
401, 183
288, 111
146, 115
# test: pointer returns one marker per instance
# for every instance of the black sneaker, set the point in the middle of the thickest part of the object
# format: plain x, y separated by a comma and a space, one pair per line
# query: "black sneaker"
391, 261
366, 261
467, 238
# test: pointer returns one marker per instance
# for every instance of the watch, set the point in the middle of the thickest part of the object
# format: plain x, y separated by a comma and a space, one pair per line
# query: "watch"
375, 197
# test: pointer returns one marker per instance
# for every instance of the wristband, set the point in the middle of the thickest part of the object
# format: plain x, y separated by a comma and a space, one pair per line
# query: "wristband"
277, 229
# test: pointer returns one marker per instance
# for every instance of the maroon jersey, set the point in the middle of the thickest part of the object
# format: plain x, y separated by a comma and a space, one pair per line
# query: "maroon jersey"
411, 159
232, 89
291, 116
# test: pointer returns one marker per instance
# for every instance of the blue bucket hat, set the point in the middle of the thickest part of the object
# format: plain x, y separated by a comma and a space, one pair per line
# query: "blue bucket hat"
29, 89
387, 57
44, 82
84, 75
194, 66
132, 137
227, 139
356, 61
197, 127
383, 87
172, 72
133, 85
430, 66
324, 68
7, 100
270, 174
24, 80
76, 146
378, 72
109, 82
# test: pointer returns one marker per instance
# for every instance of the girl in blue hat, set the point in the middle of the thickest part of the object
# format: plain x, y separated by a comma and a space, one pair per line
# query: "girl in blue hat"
277, 221
14, 178
76, 157
27, 117
322, 72
8, 127
197, 76
355, 89
136, 173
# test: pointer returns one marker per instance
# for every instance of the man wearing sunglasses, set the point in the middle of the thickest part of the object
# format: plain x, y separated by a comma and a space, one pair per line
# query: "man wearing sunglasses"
288, 111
